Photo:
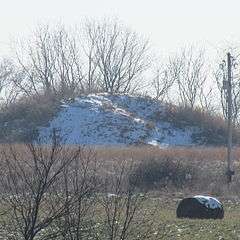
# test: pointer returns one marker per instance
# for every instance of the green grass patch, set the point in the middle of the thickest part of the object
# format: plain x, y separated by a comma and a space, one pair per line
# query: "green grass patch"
167, 226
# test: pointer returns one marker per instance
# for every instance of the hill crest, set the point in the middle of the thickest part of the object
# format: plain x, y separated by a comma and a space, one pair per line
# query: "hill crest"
103, 119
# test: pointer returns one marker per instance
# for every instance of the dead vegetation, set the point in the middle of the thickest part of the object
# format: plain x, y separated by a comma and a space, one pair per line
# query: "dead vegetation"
19, 120
206, 165
59, 192
73, 192
202, 169
212, 127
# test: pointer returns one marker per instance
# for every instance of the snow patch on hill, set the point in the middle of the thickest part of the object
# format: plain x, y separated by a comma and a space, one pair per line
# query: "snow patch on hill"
102, 119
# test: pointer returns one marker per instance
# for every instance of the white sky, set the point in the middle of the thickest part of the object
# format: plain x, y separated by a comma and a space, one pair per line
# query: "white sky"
169, 24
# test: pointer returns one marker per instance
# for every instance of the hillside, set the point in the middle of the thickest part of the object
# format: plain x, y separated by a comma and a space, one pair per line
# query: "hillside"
102, 119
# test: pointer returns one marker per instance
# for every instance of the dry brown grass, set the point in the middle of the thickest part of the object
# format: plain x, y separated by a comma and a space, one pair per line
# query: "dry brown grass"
213, 126
19, 120
209, 157
210, 164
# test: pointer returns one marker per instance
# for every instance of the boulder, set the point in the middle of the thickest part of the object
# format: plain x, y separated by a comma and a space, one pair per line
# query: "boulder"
201, 207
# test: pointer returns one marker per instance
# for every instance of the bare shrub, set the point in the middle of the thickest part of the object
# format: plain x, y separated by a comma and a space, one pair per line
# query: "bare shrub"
79, 186
210, 163
20, 119
162, 172
36, 191
212, 127
122, 204
25, 185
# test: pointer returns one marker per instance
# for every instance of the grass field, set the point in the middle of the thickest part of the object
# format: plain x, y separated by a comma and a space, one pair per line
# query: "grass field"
211, 162
163, 224
156, 218
169, 227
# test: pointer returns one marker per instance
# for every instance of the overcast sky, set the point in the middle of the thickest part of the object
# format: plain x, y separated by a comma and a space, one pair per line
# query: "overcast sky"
169, 24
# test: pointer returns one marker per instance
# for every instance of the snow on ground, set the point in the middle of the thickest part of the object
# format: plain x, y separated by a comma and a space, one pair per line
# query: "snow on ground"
102, 119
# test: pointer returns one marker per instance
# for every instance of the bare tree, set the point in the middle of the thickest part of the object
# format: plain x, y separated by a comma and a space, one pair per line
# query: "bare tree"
67, 67
206, 100
162, 83
123, 205
36, 60
6, 69
30, 175
7, 73
220, 77
80, 185
119, 54
188, 70
50, 62
91, 72
51, 193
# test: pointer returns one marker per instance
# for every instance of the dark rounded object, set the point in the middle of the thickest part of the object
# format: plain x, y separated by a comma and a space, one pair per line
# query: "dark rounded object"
201, 207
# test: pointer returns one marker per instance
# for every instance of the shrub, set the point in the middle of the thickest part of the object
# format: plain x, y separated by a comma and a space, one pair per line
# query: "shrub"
19, 121
162, 172
213, 128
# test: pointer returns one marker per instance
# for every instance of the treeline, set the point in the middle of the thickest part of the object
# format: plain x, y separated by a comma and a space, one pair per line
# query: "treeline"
99, 56
105, 56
